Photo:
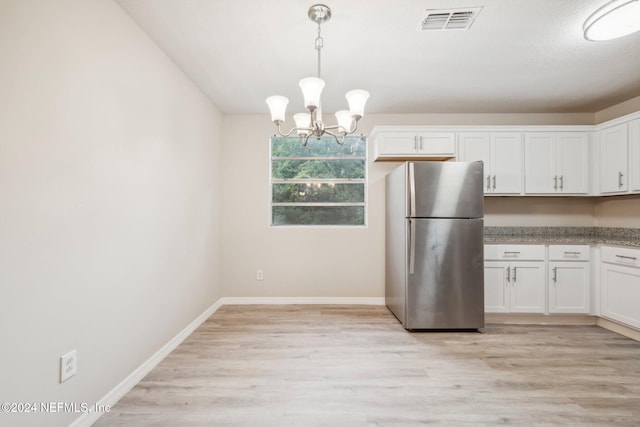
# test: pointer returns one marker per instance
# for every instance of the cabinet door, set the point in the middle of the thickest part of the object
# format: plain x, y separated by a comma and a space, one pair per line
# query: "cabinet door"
613, 159
496, 291
527, 287
621, 293
540, 175
568, 287
572, 166
397, 143
437, 143
634, 155
476, 146
506, 162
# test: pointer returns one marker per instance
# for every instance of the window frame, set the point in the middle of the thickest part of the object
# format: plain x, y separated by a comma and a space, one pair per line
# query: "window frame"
364, 181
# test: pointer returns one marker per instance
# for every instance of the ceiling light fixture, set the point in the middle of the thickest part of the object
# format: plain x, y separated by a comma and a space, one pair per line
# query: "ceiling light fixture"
615, 19
308, 124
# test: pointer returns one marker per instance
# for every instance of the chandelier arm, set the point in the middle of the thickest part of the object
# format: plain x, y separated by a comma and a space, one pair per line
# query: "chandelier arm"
346, 132
305, 139
355, 127
340, 141
285, 134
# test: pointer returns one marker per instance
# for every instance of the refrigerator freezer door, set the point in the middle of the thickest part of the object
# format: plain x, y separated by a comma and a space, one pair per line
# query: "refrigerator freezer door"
446, 290
445, 190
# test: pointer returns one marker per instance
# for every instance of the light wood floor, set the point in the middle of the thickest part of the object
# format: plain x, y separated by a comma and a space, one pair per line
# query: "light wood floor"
356, 366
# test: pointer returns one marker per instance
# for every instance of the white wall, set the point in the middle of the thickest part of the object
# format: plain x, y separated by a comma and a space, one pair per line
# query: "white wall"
619, 211
321, 262
296, 261
539, 211
109, 201
627, 107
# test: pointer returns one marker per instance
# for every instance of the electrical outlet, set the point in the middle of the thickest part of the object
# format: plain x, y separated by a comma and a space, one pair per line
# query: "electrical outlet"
68, 365
259, 275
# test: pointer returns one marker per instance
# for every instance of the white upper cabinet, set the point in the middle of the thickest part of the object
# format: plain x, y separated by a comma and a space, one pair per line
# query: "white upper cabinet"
501, 153
575, 160
413, 144
613, 143
634, 155
556, 163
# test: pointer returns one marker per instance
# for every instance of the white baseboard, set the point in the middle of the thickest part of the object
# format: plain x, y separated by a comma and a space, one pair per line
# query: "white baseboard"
110, 399
627, 331
302, 300
539, 319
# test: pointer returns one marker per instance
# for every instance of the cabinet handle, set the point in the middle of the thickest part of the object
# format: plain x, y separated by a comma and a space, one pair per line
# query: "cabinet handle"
555, 275
561, 182
620, 175
508, 274
555, 182
494, 183
415, 143
514, 275
488, 182
627, 257
420, 142
570, 253
511, 253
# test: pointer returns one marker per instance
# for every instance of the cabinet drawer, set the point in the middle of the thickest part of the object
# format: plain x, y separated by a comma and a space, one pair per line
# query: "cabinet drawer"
514, 252
620, 256
569, 252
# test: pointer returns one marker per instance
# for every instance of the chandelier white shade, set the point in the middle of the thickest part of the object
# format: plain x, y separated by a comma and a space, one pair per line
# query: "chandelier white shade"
615, 19
278, 106
311, 90
310, 124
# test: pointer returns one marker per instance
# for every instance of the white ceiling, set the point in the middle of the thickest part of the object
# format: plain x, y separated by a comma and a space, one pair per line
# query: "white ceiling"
520, 56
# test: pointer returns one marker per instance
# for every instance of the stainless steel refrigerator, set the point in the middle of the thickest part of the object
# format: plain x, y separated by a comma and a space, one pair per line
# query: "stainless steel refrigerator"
434, 245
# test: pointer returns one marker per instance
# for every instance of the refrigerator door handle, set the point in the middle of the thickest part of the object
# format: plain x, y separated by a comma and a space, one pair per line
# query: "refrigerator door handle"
412, 246
412, 191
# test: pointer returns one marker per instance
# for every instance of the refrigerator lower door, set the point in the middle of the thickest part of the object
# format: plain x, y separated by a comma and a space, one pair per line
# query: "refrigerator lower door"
446, 288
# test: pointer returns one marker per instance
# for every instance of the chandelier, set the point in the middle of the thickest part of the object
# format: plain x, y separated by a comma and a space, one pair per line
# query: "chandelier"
311, 124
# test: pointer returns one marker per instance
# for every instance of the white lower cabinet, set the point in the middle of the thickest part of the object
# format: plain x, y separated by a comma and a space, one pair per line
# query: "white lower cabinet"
496, 295
568, 279
516, 285
530, 279
569, 287
620, 285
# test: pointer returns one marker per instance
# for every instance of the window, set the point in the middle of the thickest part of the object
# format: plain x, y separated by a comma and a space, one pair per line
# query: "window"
323, 183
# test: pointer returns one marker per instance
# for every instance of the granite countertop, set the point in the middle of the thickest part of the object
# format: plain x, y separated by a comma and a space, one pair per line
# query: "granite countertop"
563, 236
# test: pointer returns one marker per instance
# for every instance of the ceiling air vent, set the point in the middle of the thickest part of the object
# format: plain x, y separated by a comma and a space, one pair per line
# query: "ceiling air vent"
450, 19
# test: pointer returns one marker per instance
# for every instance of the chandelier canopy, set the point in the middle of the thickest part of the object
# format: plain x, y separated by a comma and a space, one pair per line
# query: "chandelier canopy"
311, 124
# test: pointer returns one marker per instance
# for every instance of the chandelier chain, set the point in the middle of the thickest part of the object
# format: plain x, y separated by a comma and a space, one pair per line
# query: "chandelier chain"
319, 45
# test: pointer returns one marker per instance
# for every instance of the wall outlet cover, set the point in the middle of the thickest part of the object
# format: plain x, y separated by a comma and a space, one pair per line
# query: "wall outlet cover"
68, 365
